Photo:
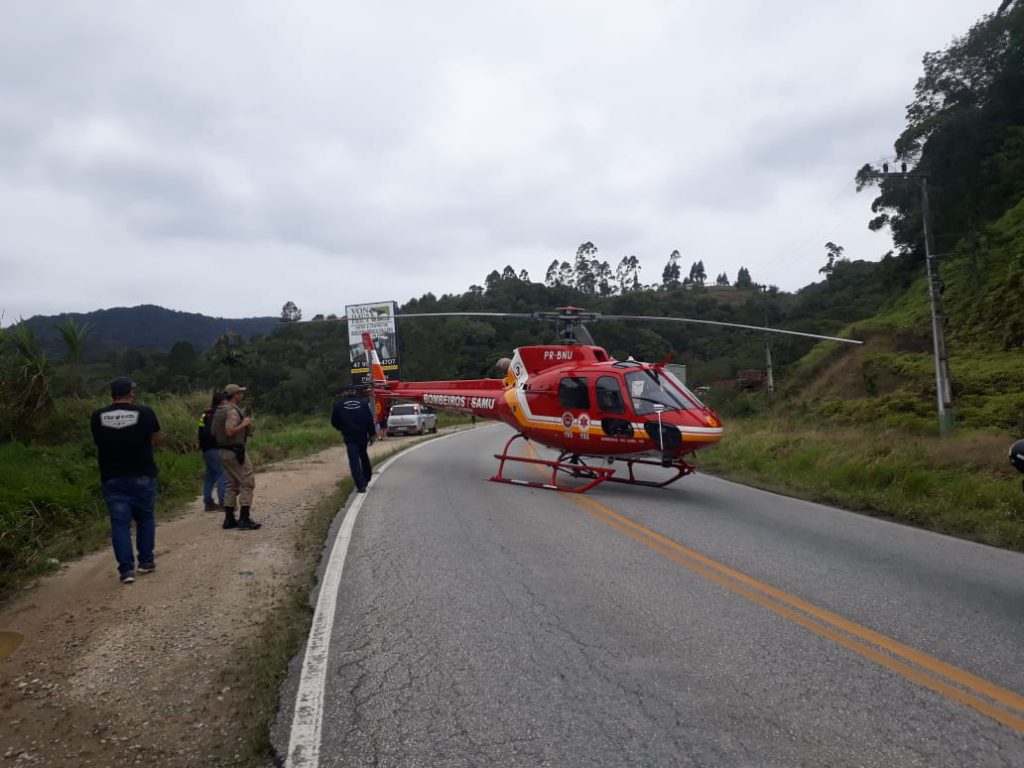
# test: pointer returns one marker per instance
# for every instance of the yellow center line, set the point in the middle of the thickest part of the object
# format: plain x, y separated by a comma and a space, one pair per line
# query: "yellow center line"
782, 603
981, 705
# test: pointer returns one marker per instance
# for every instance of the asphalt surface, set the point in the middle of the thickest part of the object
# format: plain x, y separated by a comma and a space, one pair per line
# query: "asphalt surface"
705, 624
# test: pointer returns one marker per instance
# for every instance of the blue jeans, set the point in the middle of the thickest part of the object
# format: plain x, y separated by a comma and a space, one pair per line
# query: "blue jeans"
359, 460
214, 476
131, 498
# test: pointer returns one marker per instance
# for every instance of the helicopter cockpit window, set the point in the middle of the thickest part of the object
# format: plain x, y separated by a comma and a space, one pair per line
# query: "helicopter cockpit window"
648, 389
572, 393
609, 396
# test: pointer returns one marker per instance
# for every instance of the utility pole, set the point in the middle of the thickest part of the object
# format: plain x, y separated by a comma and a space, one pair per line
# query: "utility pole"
943, 381
769, 376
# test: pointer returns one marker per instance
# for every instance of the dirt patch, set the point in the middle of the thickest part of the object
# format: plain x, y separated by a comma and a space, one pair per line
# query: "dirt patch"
113, 674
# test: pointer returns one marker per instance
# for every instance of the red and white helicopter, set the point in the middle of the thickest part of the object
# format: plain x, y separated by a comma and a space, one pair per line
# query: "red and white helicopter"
574, 398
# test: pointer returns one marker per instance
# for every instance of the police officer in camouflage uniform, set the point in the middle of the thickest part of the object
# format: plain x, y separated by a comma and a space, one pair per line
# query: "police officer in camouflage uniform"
232, 428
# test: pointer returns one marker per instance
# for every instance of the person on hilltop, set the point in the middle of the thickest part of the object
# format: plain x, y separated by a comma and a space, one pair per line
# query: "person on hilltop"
124, 434
214, 477
232, 428
351, 415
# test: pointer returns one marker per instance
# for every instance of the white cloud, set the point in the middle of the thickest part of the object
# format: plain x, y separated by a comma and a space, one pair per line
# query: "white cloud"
332, 152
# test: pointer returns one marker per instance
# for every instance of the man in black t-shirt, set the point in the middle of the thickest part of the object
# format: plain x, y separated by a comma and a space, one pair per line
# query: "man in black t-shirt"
124, 435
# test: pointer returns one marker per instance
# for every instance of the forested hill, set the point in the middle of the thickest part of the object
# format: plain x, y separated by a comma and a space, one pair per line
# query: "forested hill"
143, 327
965, 134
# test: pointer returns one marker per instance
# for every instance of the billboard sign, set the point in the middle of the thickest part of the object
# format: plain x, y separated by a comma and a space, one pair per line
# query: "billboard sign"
378, 320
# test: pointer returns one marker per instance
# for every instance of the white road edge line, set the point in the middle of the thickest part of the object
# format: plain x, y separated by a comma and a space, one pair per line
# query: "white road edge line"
304, 739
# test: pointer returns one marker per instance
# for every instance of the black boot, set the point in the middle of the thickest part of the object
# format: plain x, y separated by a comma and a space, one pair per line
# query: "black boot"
229, 518
244, 523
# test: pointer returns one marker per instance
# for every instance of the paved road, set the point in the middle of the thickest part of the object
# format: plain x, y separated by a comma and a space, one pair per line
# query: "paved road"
706, 624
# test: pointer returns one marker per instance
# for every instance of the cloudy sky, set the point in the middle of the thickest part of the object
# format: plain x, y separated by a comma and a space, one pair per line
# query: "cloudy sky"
227, 157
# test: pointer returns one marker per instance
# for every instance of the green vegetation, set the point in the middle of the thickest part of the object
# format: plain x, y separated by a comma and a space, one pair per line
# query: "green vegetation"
50, 506
858, 428
962, 486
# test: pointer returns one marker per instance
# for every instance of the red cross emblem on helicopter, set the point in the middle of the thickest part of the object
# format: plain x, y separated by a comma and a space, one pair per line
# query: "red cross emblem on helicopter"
584, 421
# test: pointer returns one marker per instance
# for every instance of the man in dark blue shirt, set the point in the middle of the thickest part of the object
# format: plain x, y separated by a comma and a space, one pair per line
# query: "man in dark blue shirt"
124, 434
353, 418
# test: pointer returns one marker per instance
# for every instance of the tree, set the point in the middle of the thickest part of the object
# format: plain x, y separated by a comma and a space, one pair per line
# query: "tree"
508, 273
967, 111
182, 358
604, 276
697, 273
627, 274
722, 279
28, 387
290, 313
229, 350
524, 275
834, 253
492, 280
551, 278
670, 274
584, 277
74, 337
743, 278
565, 274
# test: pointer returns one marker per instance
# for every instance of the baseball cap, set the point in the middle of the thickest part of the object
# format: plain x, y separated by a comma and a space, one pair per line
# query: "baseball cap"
121, 386
233, 389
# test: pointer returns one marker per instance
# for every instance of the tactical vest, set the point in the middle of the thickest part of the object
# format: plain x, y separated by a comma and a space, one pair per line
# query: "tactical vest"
219, 428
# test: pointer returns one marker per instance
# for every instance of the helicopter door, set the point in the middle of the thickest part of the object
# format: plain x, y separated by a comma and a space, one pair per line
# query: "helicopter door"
573, 393
612, 405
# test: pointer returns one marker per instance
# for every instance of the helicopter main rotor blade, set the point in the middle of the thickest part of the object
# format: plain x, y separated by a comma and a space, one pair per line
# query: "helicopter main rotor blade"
728, 325
583, 336
519, 315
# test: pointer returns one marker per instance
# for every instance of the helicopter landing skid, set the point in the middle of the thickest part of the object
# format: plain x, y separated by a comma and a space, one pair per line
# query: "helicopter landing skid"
572, 465
595, 475
681, 467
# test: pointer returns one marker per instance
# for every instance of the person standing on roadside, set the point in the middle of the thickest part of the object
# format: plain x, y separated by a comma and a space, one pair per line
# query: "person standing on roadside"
231, 428
351, 415
214, 476
124, 434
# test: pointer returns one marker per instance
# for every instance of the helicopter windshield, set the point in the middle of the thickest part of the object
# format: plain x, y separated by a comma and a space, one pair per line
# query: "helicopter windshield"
688, 395
649, 388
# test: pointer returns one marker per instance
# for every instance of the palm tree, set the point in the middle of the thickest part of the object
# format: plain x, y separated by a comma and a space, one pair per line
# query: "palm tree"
32, 373
74, 336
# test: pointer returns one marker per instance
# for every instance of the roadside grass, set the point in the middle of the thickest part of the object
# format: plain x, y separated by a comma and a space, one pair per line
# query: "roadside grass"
50, 505
962, 485
281, 437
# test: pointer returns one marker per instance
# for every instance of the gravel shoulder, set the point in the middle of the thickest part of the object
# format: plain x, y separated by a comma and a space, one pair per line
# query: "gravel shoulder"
133, 674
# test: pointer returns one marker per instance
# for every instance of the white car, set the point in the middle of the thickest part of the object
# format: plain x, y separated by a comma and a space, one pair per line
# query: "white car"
411, 419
